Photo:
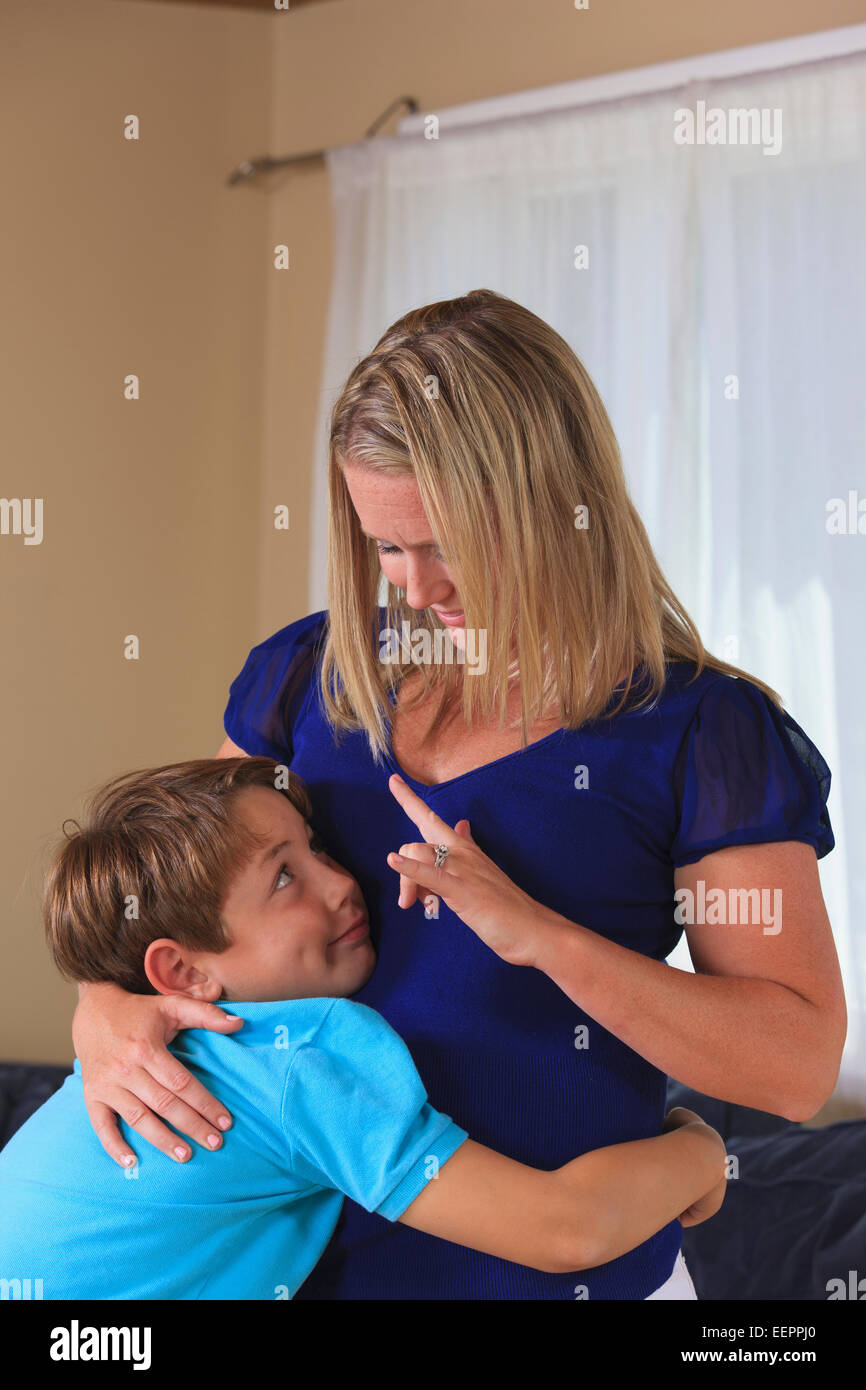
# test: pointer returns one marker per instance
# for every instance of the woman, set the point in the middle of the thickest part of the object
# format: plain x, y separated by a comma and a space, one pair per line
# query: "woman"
600, 761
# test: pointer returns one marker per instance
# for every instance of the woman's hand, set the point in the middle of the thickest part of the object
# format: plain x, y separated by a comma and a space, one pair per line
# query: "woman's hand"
127, 1070
709, 1204
504, 917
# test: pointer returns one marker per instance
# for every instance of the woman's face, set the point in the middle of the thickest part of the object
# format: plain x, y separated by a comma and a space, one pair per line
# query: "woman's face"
390, 512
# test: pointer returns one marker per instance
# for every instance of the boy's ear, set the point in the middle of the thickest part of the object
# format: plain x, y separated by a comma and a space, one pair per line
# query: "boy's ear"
169, 969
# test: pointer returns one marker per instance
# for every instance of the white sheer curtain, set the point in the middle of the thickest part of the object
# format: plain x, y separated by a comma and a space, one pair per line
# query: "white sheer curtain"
722, 315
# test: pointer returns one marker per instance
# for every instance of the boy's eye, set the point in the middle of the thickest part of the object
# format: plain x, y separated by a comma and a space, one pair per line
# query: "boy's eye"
317, 846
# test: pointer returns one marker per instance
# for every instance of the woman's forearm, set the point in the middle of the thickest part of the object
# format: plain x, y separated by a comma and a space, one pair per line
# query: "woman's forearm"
747, 1041
96, 989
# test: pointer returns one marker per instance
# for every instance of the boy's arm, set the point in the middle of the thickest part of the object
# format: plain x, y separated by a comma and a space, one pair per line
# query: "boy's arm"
576, 1217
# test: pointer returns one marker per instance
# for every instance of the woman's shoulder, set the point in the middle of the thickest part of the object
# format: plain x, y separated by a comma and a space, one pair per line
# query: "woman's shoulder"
303, 632
676, 702
265, 696
711, 699
745, 771
731, 714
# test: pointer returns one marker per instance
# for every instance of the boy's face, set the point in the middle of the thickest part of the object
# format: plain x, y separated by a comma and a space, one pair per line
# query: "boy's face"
287, 913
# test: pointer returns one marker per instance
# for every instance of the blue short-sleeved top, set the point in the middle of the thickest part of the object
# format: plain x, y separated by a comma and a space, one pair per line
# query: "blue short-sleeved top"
591, 823
326, 1101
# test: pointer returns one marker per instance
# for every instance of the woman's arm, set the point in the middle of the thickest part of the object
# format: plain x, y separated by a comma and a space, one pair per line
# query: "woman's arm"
763, 1021
230, 750
592, 1210
127, 1070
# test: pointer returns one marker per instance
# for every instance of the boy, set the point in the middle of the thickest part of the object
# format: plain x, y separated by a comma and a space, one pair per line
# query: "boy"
204, 878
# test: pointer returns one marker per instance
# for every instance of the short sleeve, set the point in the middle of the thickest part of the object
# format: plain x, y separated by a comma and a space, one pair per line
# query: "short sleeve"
265, 698
356, 1116
747, 774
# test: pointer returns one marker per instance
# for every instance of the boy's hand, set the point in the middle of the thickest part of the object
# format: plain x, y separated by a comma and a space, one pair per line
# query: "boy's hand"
706, 1206
679, 1116
709, 1204
127, 1070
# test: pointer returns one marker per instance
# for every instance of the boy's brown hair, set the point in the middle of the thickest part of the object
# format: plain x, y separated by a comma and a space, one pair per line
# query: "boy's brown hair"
154, 857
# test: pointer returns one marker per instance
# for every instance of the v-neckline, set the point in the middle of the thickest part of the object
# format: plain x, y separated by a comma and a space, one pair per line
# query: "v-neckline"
391, 758
437, 786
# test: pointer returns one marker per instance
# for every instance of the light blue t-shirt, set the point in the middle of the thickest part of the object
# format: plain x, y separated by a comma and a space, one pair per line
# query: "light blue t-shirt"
325, 1100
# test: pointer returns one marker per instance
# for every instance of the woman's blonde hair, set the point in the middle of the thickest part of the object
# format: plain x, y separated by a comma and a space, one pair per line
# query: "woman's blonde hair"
519, 473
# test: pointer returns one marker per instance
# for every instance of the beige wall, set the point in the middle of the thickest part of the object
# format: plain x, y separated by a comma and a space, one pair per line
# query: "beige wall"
135, 257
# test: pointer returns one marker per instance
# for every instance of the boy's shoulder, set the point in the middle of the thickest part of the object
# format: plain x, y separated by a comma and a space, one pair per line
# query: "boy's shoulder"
341, 1025
307, 1052
348, 1016
354, 1047
287, 1025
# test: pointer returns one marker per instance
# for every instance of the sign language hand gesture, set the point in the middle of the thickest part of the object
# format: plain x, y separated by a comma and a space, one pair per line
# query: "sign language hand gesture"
501, 914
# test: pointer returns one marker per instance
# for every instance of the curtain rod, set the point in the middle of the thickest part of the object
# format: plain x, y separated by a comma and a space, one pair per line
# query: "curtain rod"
251, 168
657, 77
732, 62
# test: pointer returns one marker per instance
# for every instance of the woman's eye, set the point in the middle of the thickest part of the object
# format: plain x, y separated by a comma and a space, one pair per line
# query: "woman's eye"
284, 873
395, 550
